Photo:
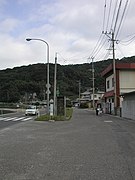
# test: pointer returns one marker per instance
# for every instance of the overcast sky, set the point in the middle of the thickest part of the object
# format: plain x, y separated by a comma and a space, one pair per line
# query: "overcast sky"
71, 27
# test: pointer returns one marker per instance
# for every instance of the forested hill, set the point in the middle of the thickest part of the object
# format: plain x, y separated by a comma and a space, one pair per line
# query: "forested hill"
23, 83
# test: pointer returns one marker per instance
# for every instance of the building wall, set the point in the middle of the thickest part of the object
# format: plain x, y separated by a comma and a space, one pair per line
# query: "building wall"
97, 96
127, 81
110, 80
128, 106
128, 109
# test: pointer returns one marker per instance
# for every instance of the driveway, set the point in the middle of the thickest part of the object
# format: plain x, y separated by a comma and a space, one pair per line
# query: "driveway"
88, 147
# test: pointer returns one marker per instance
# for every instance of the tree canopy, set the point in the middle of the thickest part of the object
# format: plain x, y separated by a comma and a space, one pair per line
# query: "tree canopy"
29, 82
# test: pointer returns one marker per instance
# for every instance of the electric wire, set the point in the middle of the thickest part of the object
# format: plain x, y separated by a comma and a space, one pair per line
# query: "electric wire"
117, 16
127, 41
103, 52
113, 17
115, 22
98, 45
108, 15
122, 18
104, 16
120, 50
101, 47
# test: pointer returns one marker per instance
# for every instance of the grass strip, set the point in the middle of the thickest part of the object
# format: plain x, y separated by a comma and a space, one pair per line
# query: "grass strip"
69, 112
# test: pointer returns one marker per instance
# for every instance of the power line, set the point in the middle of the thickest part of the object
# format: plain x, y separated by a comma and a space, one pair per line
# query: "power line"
113, 17
120, 51
98, 45
100, 55
109, 15
117, 16
129, 40
123, 14
104, 16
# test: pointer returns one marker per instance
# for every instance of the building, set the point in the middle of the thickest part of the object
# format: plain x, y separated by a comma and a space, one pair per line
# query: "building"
87, 97
125, 83
128, 105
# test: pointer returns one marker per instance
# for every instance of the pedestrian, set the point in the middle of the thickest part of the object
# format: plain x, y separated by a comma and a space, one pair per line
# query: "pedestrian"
98, 109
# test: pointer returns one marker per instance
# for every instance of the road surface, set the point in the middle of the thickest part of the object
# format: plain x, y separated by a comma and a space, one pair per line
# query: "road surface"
88, 147
16, 117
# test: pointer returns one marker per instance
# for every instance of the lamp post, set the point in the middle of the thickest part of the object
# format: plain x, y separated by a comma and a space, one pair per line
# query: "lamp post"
55, 84
48, 85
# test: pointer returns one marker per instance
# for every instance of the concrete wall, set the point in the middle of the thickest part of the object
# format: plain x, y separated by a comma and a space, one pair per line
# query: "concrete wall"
128, 109
127, 81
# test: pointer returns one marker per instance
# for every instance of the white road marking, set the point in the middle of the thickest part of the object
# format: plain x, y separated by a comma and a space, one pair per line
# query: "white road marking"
26, 119
14, 119
18, 119
9, 119
1, 119
108, 121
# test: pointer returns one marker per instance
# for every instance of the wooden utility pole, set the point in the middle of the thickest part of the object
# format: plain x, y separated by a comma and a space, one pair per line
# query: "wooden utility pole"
114, 75
93, 83
79, 92
114, 69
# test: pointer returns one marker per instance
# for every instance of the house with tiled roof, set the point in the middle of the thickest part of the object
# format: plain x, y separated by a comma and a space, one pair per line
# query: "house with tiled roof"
125, 83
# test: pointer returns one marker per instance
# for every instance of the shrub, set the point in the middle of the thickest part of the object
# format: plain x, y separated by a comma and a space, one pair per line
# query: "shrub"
69, 112
84, 105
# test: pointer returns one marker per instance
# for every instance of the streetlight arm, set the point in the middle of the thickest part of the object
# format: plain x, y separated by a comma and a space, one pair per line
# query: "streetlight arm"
37, 39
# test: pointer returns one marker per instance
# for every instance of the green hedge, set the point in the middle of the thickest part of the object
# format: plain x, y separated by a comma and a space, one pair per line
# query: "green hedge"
84, 105
69, 112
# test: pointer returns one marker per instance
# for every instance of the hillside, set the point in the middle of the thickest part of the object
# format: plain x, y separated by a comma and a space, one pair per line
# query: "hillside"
27, 82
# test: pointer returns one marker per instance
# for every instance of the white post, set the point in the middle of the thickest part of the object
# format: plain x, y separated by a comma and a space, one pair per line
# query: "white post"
55, 82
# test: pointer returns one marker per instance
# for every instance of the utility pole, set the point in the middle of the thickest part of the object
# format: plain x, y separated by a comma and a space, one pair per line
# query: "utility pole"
55, 81
114, 76
114, 69
79, 91
93, 83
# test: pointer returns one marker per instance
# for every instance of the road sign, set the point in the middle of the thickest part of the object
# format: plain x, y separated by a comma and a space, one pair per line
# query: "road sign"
48, 85
49, 92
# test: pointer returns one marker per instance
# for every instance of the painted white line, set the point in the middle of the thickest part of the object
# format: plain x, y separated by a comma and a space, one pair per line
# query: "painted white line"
2, 119
9, 119
6, 119
18, 119
108, 121
26, 119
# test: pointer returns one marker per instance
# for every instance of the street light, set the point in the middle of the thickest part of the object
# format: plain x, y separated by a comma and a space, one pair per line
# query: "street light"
48, 85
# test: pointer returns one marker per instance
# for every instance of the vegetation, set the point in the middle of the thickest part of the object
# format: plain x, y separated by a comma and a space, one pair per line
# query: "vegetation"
26, 83
84, 105
69, 112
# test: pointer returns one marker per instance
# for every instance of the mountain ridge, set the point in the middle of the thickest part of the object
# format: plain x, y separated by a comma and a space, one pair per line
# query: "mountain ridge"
20, 83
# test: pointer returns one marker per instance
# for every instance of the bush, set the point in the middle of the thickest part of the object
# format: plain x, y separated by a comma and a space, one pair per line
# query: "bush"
84, 105
69, 112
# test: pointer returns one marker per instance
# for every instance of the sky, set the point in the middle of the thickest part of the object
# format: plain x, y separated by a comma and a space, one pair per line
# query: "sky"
77, 30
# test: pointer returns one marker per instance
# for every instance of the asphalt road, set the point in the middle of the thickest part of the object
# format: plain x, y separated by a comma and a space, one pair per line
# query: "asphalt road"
18, 116
88, 147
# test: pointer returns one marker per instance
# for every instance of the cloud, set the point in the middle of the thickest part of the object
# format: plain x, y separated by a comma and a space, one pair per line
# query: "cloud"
72, 28
8, 25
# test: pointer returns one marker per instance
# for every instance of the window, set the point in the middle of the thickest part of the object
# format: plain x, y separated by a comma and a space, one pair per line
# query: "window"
112, 82
108, 84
